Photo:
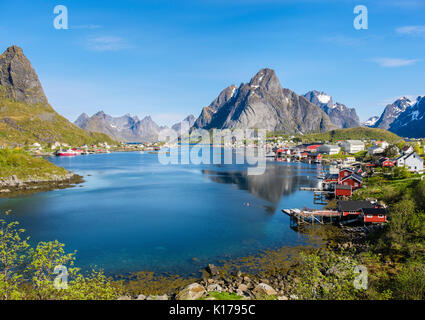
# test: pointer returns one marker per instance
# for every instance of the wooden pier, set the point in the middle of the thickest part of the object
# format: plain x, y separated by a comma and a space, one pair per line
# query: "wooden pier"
299, 217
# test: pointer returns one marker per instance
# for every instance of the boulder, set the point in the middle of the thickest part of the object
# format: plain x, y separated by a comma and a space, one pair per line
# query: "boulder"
141, 297
243, 287
263, 289
124, 298
214, 287
212, 270
193, 291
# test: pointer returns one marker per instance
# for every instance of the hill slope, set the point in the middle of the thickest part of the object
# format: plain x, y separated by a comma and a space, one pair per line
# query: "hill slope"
358, 133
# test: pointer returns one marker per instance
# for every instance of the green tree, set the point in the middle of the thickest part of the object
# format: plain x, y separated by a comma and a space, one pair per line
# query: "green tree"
410, 282
29, 273
12, 257
326, 275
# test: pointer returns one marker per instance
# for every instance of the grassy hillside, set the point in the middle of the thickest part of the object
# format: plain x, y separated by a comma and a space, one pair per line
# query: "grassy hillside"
358, 133
22, 123
17, 162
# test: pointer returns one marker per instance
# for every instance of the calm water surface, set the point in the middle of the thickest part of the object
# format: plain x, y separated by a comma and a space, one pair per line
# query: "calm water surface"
133, 213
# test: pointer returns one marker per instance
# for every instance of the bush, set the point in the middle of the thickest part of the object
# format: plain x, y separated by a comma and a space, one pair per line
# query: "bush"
29, 273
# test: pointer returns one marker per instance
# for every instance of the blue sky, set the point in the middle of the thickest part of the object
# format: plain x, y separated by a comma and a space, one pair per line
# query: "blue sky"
168, 59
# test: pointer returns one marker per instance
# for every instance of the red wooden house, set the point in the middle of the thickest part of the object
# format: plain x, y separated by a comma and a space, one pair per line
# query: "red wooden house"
343, 190
385, 162
374, 215
353, 180
353, 207
345, 172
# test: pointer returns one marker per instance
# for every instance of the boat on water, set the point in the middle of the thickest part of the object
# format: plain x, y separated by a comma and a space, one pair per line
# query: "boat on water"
67, 153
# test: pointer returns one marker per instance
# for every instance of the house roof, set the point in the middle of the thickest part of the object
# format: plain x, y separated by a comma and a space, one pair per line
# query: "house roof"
374, 211
354, 205
353, 176
406, 156
333, 176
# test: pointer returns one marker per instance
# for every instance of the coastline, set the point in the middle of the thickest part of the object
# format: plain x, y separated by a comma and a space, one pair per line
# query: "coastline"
12, 186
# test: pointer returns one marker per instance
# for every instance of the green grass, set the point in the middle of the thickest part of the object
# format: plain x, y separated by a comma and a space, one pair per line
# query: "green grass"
19, 163
22, 123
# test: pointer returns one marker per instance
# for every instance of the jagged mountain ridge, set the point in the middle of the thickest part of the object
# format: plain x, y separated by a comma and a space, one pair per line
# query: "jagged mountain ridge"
340, 115
263, 103
411, 122
129, 128
393, 111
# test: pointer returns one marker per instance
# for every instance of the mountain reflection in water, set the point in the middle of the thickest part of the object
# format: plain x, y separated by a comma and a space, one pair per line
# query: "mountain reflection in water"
278, 180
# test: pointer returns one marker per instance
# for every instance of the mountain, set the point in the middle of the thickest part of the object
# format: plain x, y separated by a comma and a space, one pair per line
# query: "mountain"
371, 121
411, 122
18, 78
184, 125
263, 103
126, 128
340, 115
392, 111
25, 115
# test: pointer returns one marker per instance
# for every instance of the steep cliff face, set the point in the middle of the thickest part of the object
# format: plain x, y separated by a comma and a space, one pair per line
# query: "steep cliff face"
207, 112
340, 115
263, 103
18, 79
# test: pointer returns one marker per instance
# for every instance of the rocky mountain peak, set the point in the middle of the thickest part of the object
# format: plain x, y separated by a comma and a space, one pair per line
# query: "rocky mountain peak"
82, 120
263, 103
267, 80
18, 77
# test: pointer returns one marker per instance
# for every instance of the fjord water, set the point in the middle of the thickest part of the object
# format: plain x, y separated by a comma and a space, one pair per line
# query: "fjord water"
133, 213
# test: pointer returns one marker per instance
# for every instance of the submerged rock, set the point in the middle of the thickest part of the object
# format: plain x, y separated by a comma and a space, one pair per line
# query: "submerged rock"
212, 270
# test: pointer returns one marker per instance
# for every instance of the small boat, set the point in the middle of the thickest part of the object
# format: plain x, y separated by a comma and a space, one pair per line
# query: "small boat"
67, 153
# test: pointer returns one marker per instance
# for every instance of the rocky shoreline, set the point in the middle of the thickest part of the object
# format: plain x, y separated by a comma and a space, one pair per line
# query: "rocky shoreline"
12, 186
241, 286
217, 284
